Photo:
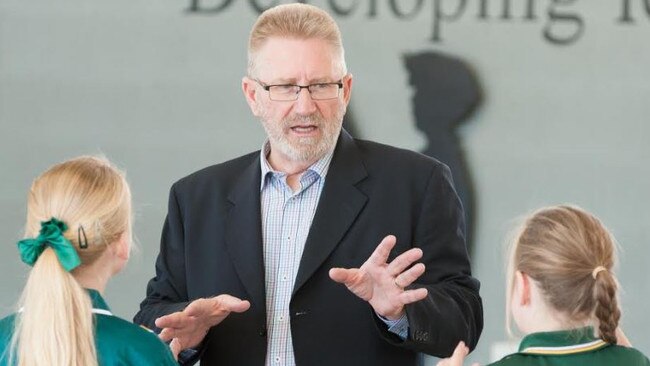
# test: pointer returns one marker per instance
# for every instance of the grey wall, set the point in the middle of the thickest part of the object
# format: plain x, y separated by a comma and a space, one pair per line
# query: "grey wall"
157, 89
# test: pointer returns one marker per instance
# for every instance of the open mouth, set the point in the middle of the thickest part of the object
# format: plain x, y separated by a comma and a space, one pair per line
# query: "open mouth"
304, 129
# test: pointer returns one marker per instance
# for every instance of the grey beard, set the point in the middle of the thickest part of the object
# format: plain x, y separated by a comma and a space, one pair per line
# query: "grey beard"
307, 149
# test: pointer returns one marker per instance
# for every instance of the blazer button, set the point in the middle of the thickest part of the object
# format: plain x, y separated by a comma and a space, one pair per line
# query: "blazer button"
421, 336
262, 332
300, 313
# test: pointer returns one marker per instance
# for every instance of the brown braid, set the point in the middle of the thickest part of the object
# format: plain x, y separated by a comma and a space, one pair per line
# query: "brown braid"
607, 310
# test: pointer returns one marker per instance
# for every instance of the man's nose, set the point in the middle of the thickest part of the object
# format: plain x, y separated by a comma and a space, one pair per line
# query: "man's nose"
304, 104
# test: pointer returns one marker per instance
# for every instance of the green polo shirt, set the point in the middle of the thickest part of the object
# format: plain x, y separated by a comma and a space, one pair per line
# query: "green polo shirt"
118, 341
573, 347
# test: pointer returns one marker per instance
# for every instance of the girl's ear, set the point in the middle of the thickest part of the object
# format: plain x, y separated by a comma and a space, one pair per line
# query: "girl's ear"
522, 288
122, 247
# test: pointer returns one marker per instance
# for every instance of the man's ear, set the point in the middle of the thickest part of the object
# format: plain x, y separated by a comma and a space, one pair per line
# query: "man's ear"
523, 282
347, 88
249, 87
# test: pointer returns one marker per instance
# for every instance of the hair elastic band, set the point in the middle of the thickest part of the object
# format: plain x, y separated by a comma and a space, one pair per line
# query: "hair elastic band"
597, 270
51, 235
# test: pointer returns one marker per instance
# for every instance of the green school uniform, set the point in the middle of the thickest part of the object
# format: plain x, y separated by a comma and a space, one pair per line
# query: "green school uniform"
118, 341
574, 347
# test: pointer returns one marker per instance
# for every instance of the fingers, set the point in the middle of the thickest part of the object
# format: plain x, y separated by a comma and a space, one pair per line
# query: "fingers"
621, 339
176, 347
198, 316
182, 319
460, 352
411, 296
240, 307
381, 253
190, 327
216, 306
404, 260
409, 276
457, 357
230, 303
167, 334
174, 320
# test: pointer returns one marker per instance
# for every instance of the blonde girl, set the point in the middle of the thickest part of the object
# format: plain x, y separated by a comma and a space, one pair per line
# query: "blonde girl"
77, 236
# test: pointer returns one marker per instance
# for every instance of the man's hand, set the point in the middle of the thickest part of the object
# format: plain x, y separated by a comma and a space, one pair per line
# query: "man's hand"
382, 284
176, 348
621, 339
188, 327
457, 357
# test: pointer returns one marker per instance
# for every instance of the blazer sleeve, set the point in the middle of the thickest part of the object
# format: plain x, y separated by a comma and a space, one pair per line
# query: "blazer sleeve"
452, 310
167, 291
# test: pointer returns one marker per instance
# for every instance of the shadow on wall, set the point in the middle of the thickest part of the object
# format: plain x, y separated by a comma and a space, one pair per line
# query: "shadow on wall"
446, 94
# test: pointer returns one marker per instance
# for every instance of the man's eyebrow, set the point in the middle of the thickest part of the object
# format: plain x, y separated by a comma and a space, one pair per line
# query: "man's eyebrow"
293, 81
320, 81
282, 81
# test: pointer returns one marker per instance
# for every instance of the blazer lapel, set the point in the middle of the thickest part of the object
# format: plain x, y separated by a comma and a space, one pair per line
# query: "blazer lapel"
339, 205
244, 233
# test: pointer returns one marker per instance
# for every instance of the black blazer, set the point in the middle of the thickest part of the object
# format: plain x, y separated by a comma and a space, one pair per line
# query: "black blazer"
212, 244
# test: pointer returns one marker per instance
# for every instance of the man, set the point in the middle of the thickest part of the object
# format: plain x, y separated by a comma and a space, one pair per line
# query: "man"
284, 257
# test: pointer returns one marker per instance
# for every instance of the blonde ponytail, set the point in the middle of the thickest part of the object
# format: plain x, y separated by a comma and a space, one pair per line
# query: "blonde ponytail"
55, 325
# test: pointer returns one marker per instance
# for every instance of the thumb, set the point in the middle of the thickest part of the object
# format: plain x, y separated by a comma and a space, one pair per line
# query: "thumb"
342, 275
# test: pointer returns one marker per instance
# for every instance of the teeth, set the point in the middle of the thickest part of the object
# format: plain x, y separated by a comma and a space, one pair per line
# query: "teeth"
304, 128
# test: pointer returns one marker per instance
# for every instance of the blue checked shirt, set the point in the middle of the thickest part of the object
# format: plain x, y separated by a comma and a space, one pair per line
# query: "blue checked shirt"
286, 219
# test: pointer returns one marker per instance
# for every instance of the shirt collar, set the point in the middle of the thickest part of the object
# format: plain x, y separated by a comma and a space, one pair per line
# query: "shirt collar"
320, 167
561, 342
97, 300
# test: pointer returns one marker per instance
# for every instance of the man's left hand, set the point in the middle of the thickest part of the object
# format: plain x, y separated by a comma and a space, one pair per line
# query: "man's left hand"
382, 284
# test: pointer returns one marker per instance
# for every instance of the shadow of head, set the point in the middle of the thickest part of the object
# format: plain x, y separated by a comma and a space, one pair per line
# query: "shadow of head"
446, 90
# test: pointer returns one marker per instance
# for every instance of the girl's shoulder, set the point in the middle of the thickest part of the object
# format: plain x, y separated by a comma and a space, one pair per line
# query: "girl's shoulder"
609, 355
6, 332
121, 341
7, 328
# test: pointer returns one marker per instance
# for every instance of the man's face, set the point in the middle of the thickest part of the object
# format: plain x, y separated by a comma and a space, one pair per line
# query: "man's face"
303, 130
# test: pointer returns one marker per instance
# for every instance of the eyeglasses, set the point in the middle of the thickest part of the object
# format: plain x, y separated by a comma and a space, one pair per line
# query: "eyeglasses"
289, 92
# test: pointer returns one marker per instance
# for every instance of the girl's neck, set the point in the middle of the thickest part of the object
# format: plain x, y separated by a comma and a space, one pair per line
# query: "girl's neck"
94, 276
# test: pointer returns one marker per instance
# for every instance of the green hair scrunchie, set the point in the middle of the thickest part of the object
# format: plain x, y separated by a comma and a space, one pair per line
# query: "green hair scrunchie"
51, 235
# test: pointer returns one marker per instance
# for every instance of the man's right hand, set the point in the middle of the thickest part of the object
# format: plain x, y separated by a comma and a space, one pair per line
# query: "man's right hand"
188, 327
621, 339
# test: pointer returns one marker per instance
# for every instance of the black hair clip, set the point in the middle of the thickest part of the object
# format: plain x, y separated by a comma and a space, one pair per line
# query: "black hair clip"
81, 232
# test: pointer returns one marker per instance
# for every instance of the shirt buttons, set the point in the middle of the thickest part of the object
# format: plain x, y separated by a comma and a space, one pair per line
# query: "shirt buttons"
277, 359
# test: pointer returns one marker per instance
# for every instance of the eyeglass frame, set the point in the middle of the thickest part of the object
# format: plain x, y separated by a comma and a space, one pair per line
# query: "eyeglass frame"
267, 87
